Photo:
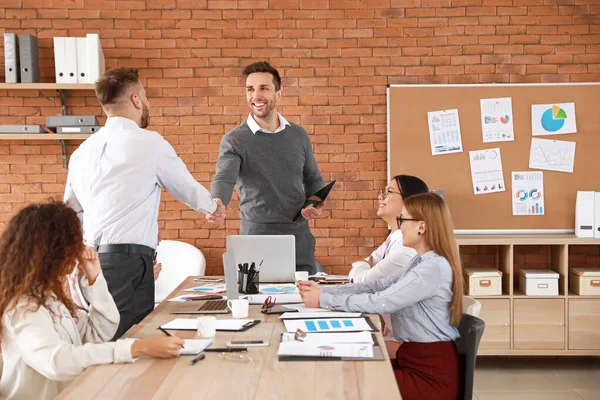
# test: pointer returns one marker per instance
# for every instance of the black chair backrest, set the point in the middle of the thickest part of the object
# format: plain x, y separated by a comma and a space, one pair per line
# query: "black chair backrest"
470, 329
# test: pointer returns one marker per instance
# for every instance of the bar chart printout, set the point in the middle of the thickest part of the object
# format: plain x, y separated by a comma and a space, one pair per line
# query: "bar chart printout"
328, 325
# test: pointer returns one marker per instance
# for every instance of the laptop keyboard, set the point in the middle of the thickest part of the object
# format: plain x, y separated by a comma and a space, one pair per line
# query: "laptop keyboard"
213, 305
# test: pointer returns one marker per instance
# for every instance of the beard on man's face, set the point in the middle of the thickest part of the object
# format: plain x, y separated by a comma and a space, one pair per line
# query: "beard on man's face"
145, 116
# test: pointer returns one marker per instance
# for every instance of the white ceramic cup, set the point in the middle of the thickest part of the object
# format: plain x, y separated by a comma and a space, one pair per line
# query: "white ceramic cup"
238, 307
301, 276
206, 326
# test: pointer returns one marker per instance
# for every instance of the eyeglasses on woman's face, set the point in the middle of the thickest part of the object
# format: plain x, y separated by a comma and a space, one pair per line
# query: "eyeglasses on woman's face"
383, 193
401, 219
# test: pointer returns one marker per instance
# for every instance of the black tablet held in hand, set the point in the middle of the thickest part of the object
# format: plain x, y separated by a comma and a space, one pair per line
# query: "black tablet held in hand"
315, 199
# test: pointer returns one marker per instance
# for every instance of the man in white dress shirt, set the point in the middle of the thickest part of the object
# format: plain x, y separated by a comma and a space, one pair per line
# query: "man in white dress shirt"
114, 184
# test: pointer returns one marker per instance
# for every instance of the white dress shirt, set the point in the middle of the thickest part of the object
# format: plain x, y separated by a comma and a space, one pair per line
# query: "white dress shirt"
45, 348
389, 258
254, 127
115, 180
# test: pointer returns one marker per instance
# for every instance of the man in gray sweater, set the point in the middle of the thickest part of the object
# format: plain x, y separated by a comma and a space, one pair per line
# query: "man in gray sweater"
269, 160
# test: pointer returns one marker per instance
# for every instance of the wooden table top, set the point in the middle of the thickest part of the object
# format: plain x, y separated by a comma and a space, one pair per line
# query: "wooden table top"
218, 378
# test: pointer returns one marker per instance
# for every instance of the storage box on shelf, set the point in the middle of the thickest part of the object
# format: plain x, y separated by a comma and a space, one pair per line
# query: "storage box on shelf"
584, 281
519, 324
483, 281
538, 282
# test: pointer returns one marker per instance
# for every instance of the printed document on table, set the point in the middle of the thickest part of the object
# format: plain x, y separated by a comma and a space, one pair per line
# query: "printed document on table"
327, 325
553, 155
318, 339
497, 120
444, 132
486, 171
339, 350
330, 314
528, 193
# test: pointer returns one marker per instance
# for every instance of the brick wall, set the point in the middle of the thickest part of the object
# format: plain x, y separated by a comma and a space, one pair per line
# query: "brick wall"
336, 56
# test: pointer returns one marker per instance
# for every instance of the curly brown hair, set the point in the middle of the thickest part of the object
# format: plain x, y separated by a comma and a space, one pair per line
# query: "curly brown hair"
38, 250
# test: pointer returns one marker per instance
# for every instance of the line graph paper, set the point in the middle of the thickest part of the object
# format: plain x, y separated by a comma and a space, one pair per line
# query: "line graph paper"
553, 155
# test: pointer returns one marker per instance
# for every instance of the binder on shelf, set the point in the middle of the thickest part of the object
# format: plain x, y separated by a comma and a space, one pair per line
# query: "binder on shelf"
21, 129
28, 58
82, 67
597, 215
11, 58
78, 129
71, 59
95, 58
54, 121
60, 66
584, 214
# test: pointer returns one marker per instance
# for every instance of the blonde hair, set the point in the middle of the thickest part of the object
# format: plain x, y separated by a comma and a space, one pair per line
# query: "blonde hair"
439, 237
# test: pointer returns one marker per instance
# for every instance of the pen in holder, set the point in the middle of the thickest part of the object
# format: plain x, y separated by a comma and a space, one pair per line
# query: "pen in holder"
248, 279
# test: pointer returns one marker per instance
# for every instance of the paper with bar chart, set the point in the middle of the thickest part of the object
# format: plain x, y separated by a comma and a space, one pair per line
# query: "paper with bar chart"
328, 325
552, 155
497, 120
528, 193
553, 119
486, 171
444, 132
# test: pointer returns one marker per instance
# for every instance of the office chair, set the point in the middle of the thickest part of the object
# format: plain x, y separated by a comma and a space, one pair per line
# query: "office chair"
179, 260
471, 306
470, 329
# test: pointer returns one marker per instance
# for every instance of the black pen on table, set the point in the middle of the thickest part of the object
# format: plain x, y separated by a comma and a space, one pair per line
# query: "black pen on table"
198, 358
168, 334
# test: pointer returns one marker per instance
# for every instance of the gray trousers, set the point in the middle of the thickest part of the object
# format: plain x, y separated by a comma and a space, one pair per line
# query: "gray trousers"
130, 279
305, 241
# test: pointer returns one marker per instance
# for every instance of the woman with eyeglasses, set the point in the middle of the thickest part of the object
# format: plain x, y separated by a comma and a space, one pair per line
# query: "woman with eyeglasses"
46, 339
425, 303
392, 255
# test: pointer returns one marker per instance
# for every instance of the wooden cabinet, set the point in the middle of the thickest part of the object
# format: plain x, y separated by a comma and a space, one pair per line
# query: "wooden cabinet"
539, 324
496, 314
584, 324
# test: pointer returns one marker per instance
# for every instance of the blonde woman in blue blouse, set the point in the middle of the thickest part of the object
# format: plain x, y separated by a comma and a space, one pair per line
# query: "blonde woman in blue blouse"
425, 302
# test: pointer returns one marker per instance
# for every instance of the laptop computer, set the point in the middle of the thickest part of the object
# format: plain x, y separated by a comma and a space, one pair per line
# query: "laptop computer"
277, 253
216, 306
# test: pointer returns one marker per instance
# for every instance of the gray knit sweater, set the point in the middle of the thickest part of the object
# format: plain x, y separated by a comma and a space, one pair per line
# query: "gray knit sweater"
268, 171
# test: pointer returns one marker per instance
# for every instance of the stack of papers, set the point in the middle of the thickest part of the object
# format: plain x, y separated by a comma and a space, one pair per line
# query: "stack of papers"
194, 346
318, 314
278, 298
318, 339
188, 324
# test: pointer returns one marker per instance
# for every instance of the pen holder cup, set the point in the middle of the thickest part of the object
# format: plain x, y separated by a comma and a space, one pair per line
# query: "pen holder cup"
248, 282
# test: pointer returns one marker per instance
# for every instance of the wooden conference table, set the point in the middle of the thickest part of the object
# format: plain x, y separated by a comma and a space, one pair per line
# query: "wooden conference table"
216, 377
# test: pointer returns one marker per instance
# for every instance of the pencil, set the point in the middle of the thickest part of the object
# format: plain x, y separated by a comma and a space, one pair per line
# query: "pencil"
168, 334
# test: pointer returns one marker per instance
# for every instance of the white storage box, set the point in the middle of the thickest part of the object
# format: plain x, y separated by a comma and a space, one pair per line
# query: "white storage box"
585, 280
538, 282
483, 281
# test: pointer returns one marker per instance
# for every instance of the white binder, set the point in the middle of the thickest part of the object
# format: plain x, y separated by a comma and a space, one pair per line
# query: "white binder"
60, 54
71, 59
95, 58
82, 67
11, 58
584, 214
597, 215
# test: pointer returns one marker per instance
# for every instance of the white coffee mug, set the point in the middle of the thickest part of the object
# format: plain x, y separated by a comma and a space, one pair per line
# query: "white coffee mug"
238, 307
206, 326
301, 276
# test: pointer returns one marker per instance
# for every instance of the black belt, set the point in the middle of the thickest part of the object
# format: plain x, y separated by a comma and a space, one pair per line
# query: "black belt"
126, 248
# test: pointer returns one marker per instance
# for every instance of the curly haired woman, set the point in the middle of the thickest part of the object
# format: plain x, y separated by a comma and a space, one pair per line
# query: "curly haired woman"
46, 339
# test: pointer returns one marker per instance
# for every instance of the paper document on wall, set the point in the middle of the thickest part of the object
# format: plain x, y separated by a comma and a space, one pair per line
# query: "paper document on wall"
328, 325
553, 119
337, 350
528, 193
486, 171
497, 120
444, 132
553, 155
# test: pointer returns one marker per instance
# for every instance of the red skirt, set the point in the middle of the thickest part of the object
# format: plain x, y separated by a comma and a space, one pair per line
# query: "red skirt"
428, 371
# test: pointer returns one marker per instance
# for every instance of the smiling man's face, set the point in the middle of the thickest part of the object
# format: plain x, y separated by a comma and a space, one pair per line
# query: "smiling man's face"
261, 95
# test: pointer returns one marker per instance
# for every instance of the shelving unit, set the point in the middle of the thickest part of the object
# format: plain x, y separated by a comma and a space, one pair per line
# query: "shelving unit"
61, 137
519, 325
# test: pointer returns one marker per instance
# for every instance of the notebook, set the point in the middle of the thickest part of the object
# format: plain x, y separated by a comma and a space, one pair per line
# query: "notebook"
192, 347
